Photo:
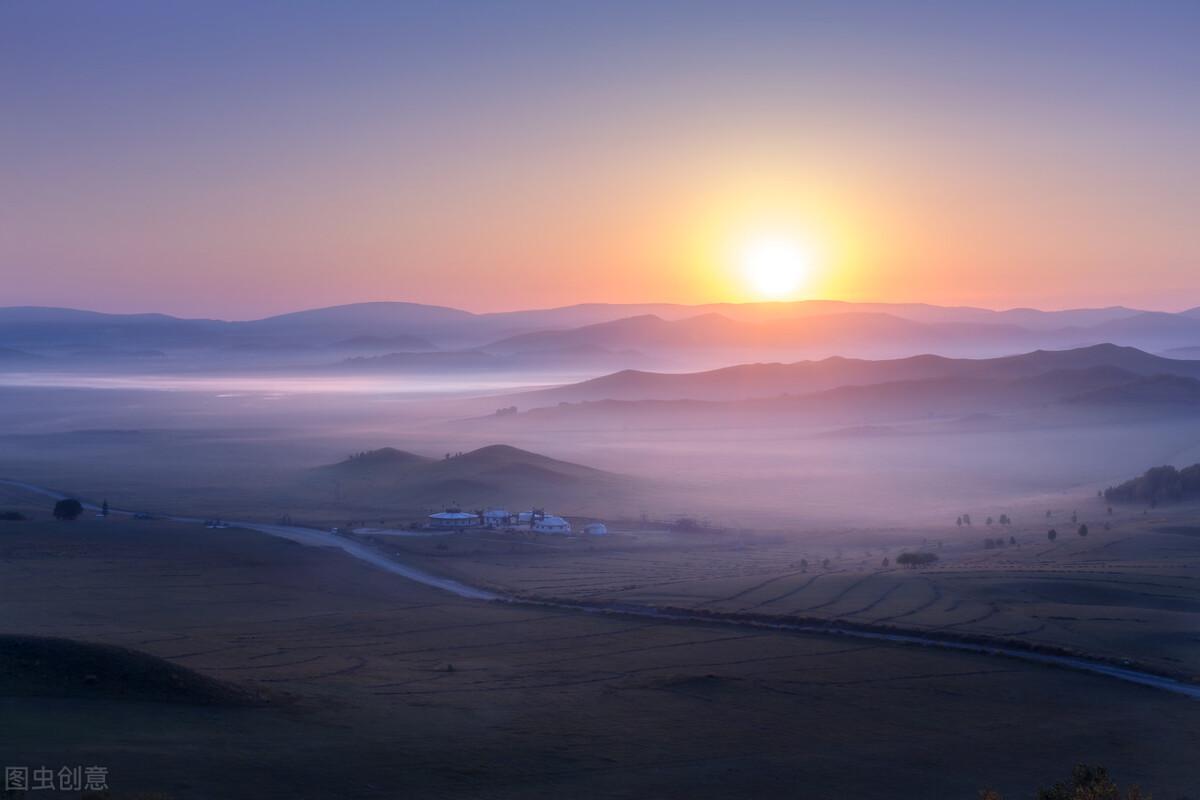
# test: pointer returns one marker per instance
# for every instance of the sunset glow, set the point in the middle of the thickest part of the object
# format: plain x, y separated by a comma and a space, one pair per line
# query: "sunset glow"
551, 154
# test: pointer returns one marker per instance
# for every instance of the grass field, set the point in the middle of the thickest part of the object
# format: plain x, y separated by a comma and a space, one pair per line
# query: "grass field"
379, 687
1129, 592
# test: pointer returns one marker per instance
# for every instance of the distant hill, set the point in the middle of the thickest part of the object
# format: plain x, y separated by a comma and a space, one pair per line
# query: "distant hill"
376, 462
37, 327
492, 475
748, 381
1150, 330
978, 390
376, 320
385, 344
440, 361
573, 359
1153, 390
846, 332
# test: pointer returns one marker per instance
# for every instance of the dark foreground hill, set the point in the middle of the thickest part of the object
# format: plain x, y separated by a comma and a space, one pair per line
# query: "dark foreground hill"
32, 666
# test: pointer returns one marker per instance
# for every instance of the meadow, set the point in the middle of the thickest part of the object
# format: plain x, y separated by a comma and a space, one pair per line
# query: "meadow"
369, 686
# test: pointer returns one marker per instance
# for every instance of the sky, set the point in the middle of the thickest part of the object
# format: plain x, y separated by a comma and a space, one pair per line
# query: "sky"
238, 159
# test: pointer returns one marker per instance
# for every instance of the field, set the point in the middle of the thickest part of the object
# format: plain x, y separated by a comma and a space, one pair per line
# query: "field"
1129, 592
375, 686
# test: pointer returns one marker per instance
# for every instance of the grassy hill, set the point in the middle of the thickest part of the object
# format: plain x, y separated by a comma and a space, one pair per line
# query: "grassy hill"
33, 666
493, 475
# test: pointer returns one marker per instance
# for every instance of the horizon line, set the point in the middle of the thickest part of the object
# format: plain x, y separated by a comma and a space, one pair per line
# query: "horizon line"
813, 300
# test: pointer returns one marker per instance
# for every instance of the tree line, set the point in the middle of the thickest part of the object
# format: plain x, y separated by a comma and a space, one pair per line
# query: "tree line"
1158, 485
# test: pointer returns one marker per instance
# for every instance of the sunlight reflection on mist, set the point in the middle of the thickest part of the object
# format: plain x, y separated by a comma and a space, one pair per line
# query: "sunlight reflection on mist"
230, 386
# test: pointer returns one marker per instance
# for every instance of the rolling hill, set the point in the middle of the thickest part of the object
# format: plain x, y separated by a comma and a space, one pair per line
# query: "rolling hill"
749, 381
492, 475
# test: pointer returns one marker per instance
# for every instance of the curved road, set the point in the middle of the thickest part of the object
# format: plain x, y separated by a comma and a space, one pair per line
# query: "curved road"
308, 536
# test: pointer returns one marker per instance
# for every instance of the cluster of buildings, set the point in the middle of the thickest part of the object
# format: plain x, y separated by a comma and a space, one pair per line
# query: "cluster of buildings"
537, 521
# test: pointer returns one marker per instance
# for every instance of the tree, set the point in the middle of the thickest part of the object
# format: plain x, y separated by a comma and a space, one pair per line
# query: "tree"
886, 563
915, 560
958, 521
1012, 540
68, 509
966, 519
1083, 529
804, 565
989, 521
1090, 783
825, 563
1052, 534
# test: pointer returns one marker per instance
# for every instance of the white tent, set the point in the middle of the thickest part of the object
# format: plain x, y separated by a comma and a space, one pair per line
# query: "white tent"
453, 519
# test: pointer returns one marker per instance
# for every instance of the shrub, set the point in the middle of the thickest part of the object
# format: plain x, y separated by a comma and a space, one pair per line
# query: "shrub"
917, 559
68, 509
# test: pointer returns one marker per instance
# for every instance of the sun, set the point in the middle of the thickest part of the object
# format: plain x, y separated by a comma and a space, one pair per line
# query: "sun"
775, 267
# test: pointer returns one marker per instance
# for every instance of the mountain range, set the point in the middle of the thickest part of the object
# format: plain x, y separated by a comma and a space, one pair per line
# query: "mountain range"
596, 337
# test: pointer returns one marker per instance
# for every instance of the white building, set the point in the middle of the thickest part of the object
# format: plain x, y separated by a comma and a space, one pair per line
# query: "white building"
496, 518
452, 518
551, 524
595, 529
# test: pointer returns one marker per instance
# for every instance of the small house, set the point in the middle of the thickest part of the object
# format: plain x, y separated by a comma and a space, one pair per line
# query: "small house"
551, 524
